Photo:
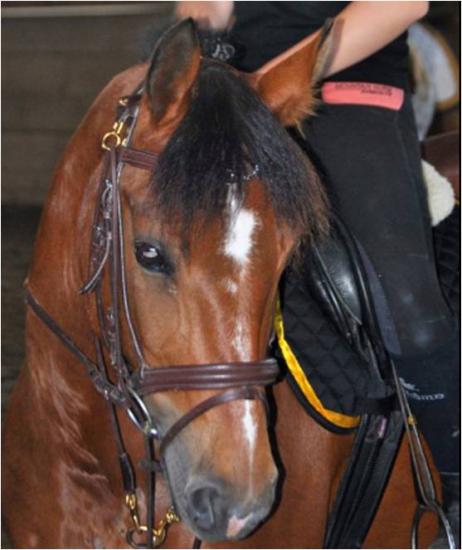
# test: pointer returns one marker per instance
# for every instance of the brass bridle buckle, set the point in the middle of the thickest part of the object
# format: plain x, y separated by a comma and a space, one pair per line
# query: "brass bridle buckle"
113, 139
158, 534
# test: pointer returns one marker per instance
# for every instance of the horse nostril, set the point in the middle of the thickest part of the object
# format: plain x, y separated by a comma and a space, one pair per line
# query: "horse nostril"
203, 502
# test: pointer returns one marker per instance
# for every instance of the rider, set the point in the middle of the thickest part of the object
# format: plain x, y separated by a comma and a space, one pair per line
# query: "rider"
370, 160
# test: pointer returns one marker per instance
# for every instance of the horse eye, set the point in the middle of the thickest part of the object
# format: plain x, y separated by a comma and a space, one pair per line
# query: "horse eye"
151, 258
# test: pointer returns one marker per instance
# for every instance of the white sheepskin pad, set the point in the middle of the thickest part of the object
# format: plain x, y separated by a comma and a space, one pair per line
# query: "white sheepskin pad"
441, 199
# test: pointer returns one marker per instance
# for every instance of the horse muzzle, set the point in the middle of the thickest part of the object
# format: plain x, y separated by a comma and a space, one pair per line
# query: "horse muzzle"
216, 512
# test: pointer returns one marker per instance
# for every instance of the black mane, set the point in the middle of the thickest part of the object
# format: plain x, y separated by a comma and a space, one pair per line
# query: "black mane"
226, 132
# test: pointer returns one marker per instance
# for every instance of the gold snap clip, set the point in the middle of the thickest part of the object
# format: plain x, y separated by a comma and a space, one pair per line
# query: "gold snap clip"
158, 534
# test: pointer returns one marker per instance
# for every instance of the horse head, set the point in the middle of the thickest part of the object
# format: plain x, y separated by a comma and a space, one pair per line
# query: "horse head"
206, 236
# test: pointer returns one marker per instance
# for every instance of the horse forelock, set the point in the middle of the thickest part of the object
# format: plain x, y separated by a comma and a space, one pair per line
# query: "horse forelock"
226, 134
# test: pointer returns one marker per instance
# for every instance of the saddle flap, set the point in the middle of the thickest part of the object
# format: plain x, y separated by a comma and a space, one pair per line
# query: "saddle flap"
331, 276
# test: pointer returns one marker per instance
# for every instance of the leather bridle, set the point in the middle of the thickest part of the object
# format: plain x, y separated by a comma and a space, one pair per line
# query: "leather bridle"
234, 381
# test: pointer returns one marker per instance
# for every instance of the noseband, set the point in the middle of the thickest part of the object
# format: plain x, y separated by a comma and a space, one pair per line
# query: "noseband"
234, 381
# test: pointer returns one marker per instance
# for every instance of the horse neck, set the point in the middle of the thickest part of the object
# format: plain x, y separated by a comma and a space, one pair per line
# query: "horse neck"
314, 459
62, 249
60, 383
59, 268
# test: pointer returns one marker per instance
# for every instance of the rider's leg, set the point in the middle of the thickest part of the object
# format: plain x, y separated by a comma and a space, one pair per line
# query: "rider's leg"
371, 164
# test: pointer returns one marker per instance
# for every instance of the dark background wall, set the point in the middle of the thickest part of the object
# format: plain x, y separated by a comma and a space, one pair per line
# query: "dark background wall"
52, 69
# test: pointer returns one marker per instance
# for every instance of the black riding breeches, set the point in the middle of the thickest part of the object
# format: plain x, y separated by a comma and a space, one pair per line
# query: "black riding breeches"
369, 159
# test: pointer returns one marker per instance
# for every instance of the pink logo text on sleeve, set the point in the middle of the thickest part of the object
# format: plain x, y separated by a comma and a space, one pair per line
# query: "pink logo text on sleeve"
363, 93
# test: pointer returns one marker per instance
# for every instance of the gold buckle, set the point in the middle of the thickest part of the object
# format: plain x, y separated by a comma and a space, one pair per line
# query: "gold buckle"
113, 139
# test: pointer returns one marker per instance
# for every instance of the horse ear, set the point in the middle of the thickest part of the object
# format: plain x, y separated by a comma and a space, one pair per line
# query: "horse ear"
174, 67
287, 83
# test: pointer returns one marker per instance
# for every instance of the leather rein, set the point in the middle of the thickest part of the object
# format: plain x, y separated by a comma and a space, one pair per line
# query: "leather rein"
233, 381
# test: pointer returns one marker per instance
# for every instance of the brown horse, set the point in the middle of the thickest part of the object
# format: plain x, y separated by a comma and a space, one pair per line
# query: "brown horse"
206, 239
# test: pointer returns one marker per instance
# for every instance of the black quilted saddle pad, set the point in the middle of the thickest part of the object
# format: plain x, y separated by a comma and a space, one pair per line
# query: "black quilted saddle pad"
329, 378
446, 237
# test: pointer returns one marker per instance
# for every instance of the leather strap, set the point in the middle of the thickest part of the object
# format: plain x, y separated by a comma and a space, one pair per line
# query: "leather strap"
146, 160
214, 401
102, 385
204, 377
361, 488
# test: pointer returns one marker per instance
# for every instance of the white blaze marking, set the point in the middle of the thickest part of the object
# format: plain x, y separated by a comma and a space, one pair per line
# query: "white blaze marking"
250, 426
237, 524
238, 245
240, 342
239, 240
250, 434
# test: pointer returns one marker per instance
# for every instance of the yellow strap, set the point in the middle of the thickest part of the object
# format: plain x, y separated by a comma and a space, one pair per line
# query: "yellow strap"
338, 419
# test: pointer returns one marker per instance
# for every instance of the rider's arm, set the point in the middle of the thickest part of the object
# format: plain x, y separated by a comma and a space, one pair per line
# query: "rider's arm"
366, 27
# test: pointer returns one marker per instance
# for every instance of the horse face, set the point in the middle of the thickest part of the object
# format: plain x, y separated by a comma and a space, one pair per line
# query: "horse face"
210, 300
207, 295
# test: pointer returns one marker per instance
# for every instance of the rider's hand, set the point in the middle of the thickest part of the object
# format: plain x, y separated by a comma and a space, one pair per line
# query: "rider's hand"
208, 15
